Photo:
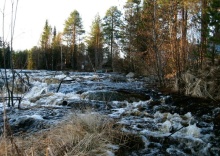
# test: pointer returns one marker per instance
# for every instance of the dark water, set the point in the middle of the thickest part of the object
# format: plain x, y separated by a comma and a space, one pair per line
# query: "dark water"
169, 124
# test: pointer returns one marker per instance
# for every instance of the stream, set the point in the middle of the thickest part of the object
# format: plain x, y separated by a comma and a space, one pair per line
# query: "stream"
168, 123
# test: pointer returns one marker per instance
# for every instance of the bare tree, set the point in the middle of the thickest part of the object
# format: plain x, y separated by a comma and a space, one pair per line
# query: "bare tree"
10, 90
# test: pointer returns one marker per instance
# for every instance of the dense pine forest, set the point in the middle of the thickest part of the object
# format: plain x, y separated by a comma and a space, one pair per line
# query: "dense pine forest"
163, 38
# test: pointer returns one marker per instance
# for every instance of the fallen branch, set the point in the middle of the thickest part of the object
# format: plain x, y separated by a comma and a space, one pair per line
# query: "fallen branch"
15, 98
61, 83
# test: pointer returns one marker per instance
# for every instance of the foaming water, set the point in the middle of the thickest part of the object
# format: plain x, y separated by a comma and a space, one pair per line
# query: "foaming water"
163, 130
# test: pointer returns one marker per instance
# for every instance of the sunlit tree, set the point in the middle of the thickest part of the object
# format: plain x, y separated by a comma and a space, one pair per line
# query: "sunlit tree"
46, 43
132, 39
95, 44
73, 28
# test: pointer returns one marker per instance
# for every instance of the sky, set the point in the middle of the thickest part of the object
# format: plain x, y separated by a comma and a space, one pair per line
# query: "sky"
32, 14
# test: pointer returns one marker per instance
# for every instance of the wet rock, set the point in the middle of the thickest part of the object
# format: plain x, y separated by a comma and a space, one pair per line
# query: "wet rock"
151, 104
78, 104
130, 75
51, 80
95, 78
122, 105
216, 122
66, 73
173, 151
102, 105
118, 78
141, 108
136, 113
166, 126
118, 95
168, 100
215, 150
154, 145
64, 103
138, 94
28, 124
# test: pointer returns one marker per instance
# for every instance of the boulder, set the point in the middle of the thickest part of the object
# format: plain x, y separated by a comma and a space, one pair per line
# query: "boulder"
28, 124
51, 80
130, 75
118, 78
118, 95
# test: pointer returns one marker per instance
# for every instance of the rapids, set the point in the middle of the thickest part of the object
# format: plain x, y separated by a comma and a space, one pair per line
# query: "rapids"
168, 124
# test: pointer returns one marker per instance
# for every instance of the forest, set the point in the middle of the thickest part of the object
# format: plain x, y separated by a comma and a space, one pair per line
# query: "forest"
163, 38
78, 93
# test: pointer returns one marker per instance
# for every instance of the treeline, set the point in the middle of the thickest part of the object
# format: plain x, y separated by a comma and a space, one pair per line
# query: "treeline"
158, 37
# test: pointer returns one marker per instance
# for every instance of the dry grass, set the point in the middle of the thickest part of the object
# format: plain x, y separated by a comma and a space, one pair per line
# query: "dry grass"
82, 135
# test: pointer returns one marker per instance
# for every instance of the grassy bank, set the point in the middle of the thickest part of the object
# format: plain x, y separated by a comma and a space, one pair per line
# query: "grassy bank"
81, 135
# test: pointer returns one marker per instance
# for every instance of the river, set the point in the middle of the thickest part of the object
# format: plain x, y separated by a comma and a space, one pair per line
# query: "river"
169, 124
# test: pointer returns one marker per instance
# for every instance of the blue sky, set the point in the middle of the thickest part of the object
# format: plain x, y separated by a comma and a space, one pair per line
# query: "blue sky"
32, 14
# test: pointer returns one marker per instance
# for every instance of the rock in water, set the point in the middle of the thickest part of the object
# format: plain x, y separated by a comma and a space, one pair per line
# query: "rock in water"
217, 124
193, 130
130, 75
118, 78
166, 126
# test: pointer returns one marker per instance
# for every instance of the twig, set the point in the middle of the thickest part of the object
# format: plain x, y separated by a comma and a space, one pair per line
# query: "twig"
175, 132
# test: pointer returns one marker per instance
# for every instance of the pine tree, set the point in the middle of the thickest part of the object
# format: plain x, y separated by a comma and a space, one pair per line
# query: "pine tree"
204, 31
57, 50
111, 29
46, 43
73, 28
155, 27
214, 28
30, 63
95, 43
132, 38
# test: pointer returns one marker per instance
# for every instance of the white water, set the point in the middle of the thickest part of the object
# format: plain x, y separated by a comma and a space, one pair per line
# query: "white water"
158, 125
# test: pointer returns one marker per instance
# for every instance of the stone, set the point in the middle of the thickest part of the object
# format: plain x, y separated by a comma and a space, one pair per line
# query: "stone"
118, 78
216, 122
119, 95
130, 75
27, 124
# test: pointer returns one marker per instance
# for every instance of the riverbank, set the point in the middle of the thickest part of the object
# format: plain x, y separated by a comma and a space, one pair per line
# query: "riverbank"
159, 123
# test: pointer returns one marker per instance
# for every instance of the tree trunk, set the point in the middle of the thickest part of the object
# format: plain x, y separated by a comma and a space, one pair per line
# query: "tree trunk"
112, 36
204, 29
155, 47
184, 37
